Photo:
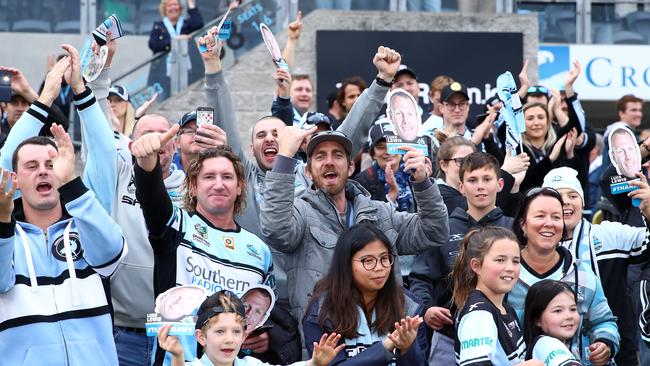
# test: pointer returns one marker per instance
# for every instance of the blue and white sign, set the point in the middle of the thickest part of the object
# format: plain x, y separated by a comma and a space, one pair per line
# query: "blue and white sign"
608, 71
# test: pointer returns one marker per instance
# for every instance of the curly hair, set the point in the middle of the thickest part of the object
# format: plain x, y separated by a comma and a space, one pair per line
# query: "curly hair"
192, 174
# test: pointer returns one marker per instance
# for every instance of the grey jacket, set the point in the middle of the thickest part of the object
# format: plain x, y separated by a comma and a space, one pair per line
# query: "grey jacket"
355, 126
309, 227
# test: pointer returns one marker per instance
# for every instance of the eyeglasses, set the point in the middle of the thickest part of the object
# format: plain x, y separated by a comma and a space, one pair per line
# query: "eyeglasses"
537, 89
458, 161
452, 106
546, 191
185, 131
370, 263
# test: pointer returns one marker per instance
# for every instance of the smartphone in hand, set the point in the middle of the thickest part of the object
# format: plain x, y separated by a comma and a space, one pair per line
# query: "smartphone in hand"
204, 115
5, 86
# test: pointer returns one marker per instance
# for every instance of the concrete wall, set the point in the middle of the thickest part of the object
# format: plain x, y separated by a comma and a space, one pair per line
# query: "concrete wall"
29, 51
250, 78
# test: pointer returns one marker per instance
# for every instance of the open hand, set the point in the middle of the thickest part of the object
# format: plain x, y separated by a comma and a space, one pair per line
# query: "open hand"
326, 349
7, 195
64, 160
52, 85
405, 333
76, 80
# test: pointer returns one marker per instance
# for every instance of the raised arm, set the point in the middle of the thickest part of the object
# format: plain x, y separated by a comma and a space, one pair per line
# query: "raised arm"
100, 172
218, 95
7, 227
31, 122
281, 222
293, 33
150, 188
367, 107
102, 239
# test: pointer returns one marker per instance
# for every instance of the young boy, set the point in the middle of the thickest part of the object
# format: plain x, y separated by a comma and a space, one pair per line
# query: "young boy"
480, 181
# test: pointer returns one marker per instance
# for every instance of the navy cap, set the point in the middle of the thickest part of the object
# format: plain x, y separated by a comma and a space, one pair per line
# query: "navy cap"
329, 135
187, 118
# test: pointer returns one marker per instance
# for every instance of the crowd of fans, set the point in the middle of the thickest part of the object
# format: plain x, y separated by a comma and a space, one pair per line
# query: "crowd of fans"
468, 254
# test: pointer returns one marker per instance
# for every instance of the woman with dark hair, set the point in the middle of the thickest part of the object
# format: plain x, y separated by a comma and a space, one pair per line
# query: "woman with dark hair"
539, 227
359, 298
550, 322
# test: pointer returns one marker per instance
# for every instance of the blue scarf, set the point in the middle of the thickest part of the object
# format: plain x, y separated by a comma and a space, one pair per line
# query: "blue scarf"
404, 196
173, 32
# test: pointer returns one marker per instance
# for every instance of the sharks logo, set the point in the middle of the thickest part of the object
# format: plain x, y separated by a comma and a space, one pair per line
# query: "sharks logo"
58, 248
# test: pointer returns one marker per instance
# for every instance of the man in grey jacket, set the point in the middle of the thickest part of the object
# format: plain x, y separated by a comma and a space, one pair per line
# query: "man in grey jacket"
264, 144
308, 227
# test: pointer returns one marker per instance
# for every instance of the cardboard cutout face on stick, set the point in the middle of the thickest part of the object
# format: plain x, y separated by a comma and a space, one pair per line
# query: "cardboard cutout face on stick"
403, 112
259, 300
624, 152
272, 46
180, 301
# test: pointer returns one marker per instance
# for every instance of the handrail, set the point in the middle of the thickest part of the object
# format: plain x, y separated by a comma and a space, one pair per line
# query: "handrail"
193, 34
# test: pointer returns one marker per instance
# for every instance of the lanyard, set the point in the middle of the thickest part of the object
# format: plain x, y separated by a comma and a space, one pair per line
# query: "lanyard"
63, 95
350, 214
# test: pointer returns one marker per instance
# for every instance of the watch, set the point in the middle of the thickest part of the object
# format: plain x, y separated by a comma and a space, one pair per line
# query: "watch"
383, 82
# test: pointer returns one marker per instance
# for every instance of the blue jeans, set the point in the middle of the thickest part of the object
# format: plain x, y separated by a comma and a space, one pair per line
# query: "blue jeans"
133, 349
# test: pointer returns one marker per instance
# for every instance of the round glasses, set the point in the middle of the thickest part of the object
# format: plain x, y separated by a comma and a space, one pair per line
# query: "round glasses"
370, 262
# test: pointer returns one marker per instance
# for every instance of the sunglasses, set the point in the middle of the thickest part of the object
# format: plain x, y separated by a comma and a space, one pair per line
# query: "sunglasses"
537, 89
546, 191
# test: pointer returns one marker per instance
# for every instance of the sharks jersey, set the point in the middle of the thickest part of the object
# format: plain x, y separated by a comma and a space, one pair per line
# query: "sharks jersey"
552, 352
487, 337
218, 259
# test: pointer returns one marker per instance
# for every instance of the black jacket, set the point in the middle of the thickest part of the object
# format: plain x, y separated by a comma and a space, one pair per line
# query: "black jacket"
430, 272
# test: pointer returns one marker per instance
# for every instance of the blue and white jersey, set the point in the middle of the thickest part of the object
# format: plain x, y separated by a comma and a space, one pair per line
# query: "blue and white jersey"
218, 259
552, 352
487, 337
53, 309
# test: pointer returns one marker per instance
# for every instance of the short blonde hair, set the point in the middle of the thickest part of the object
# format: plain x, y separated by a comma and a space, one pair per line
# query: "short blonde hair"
163, 6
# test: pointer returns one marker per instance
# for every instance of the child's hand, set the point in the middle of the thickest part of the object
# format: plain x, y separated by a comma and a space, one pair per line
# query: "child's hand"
169, 343
326, 350
405, 333
599, 353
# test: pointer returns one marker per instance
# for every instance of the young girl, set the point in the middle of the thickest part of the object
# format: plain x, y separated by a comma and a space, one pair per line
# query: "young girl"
359, 298
487, 328
220, 330
551, 321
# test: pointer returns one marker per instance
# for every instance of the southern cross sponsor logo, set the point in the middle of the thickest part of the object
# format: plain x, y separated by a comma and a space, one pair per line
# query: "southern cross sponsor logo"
214, 279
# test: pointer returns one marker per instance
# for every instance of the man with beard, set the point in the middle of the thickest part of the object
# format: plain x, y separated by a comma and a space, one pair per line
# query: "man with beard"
307, 230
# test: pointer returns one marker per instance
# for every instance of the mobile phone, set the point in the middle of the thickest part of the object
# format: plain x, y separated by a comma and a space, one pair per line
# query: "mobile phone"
5, 86
204, 116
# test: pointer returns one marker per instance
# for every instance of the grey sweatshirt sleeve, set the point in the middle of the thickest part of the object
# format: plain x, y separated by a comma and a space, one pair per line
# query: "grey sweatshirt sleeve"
218, 95
280, 221
429, 227
363, 113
